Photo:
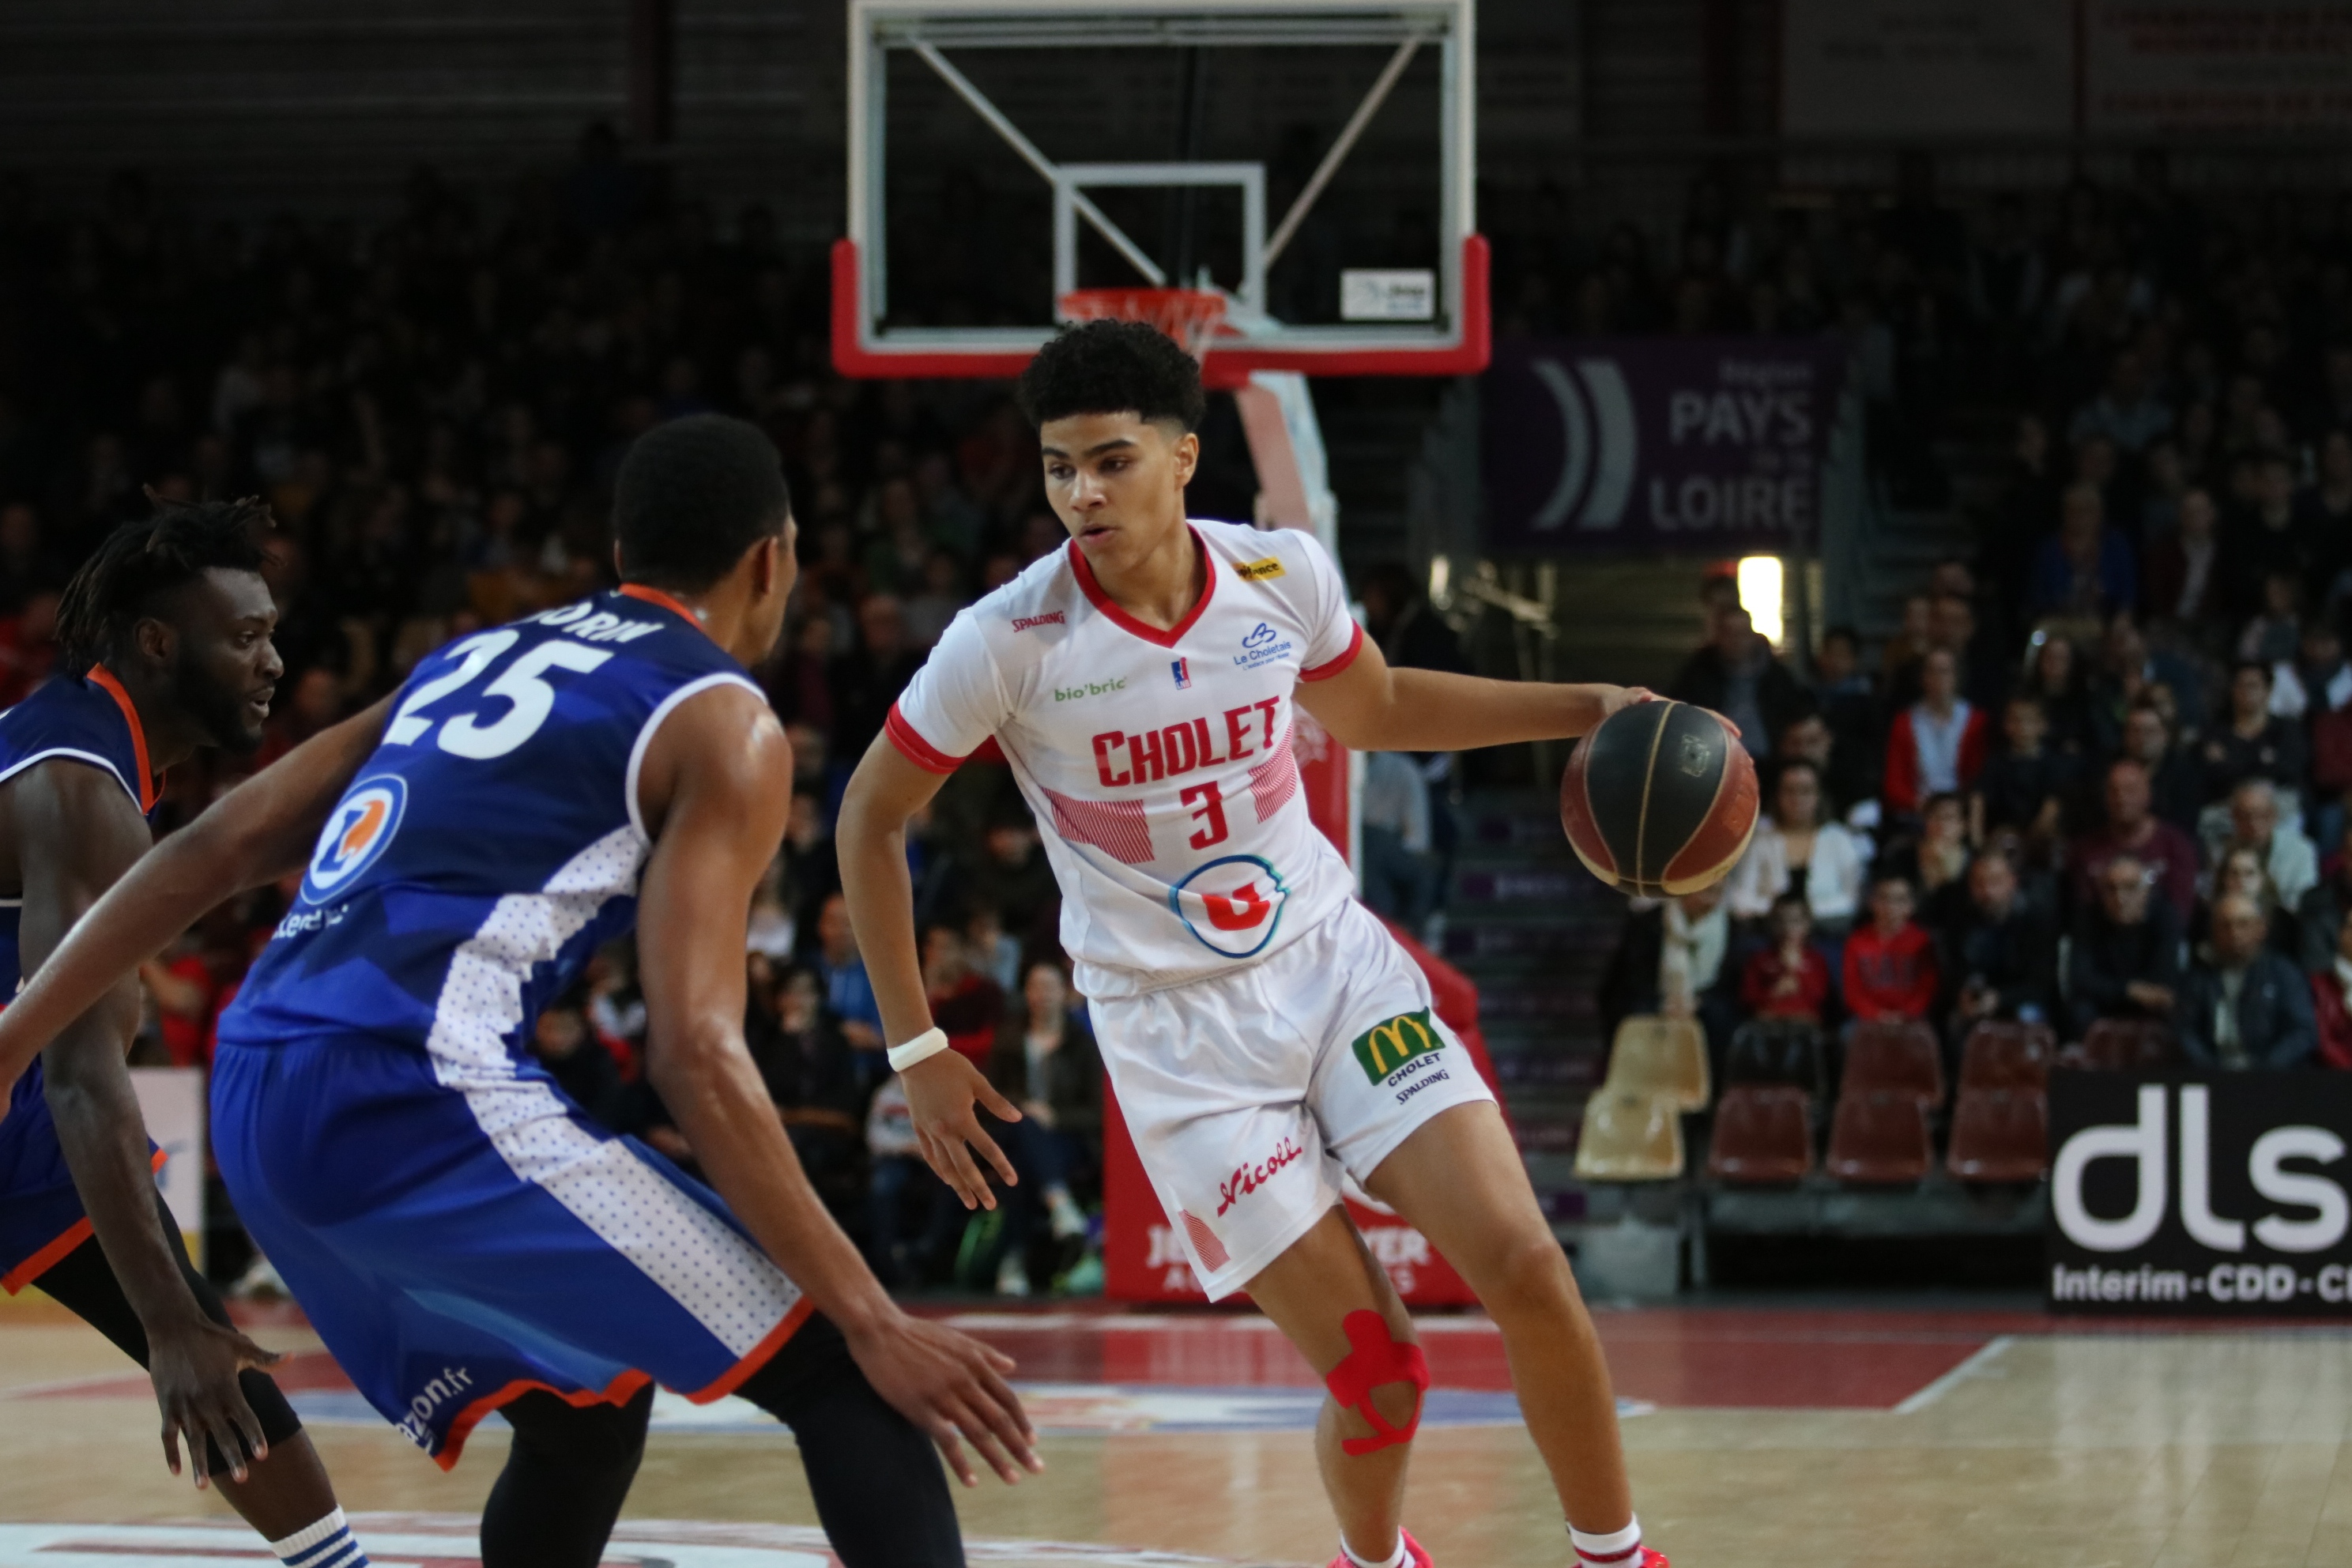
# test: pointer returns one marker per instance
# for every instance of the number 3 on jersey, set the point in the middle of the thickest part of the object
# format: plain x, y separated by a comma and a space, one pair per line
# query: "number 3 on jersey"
1208, 806
530, 699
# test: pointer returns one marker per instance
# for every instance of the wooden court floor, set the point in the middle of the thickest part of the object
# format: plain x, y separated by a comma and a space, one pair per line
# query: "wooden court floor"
1760, 1439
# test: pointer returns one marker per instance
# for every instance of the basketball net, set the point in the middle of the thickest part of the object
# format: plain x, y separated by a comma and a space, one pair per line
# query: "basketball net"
1190, 316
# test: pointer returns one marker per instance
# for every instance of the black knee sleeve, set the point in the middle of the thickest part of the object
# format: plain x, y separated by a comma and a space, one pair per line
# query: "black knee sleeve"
567, 1474
84, 1283
880, 1490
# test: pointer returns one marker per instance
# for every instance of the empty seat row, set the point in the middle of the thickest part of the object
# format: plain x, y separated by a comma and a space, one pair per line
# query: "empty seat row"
1879, 1133
1633, 1124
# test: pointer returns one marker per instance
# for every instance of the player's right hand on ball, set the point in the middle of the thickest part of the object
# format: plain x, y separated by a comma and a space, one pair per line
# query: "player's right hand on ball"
953, 1387
940, 1095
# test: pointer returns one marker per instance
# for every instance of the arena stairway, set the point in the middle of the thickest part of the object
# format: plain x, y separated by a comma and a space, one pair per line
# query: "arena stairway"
1534, 928
1901, 548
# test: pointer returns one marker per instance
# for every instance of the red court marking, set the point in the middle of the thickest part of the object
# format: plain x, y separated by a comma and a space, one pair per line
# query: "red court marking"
1670, 1356
249, 1555
1675, 1357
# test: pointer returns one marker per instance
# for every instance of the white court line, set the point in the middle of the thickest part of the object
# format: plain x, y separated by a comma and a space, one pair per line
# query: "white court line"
1954, 1378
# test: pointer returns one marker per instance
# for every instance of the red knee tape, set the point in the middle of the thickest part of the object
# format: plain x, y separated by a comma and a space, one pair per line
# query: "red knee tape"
1376, 1358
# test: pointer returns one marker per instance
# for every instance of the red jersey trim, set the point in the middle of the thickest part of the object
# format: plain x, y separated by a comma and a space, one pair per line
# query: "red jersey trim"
150, 790
60, 1250
625, 1386
1127, 623
620, 1390
1327, 670
914, 748
655, 596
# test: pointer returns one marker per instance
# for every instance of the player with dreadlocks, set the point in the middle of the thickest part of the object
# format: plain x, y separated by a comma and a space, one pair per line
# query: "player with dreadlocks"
164, 637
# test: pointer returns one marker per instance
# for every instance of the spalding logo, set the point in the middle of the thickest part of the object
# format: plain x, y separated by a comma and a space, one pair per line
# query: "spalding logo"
1696, 756
356, 834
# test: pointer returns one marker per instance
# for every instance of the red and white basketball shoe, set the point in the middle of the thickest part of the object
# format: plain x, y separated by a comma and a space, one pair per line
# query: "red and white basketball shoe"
1414, 1557
1643, 1556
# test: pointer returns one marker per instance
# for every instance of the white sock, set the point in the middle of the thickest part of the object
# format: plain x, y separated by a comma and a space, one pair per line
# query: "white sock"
1622, 1549
1393, 1560
326, 1545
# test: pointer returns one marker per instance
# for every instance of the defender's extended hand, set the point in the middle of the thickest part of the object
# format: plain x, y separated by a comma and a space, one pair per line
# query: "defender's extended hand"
949, 1384
941, 1092
194, 1368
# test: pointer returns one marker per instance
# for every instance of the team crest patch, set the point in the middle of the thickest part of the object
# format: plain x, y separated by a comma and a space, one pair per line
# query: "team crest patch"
1383, 1048
1258, 571
356, 833
1233, 904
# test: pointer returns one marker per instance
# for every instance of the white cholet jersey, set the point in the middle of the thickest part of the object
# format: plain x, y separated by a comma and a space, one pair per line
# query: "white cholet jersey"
1158, 763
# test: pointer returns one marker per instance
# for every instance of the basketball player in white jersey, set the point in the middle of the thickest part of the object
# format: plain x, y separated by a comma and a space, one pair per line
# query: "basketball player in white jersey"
1262, 1030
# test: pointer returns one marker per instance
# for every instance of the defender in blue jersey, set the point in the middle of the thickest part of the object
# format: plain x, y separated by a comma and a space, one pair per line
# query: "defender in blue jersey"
461, 1236
166, 635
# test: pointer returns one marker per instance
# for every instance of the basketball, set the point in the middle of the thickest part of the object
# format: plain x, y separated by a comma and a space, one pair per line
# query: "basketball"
1659, 800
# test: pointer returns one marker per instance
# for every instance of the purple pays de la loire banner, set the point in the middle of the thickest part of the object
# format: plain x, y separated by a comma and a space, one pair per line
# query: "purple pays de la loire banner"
1693, 444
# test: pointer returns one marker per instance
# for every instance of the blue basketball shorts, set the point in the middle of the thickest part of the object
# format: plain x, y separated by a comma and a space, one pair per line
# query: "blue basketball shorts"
41, 1216
456, 1244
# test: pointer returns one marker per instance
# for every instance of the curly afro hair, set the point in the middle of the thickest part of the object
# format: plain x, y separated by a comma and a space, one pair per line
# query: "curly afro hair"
140, 562
1113, 367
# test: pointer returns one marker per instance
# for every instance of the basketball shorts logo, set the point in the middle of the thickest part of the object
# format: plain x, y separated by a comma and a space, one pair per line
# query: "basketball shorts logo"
1385, 1049
1231, 904
356, 833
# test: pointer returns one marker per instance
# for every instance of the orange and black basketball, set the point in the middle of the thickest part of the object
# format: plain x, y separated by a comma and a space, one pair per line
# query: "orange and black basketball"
1659, 801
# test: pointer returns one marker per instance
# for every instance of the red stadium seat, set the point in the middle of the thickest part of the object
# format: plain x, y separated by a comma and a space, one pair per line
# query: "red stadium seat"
2001, 1055
1879, 1138
2122, 1045
1999, 1135
1770, 1050
1763, 1135
1895, 1059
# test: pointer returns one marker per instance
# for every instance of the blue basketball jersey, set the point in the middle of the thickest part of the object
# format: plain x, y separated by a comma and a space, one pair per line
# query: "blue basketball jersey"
490, 843
89, 721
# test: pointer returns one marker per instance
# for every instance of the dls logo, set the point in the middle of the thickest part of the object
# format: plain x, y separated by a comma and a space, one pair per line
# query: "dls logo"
362, 824
1385, 1049
2322, 1224
1247, 1179
1233, 904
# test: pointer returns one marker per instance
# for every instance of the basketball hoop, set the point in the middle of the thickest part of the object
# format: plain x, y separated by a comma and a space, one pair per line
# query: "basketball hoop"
1190, 316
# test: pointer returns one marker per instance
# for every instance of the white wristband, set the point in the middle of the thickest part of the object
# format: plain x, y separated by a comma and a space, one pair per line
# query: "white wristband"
921, 1048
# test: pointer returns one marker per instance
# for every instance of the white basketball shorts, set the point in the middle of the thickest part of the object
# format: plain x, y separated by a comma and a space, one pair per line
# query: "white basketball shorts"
1249, 1093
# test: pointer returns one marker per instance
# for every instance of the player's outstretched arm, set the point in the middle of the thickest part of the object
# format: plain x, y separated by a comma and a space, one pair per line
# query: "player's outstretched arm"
1372, 707
255, 834
79, 834
714, 792
870, 840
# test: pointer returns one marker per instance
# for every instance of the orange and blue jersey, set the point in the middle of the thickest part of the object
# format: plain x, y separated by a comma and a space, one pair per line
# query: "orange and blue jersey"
455, 1227
85, 721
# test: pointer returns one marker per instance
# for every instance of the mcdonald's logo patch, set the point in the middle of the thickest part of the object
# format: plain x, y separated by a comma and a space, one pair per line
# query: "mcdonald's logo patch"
1258, 571
1383, 1048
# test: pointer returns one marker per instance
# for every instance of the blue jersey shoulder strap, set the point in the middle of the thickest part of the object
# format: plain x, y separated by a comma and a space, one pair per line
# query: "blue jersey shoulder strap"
85, 718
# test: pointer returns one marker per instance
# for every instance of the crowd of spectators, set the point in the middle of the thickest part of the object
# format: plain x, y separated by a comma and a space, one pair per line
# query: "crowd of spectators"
435, 408
2100, 769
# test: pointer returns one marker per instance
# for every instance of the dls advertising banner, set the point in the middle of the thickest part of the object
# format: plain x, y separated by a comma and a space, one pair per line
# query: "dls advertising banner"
2218, 1194
1698, 444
